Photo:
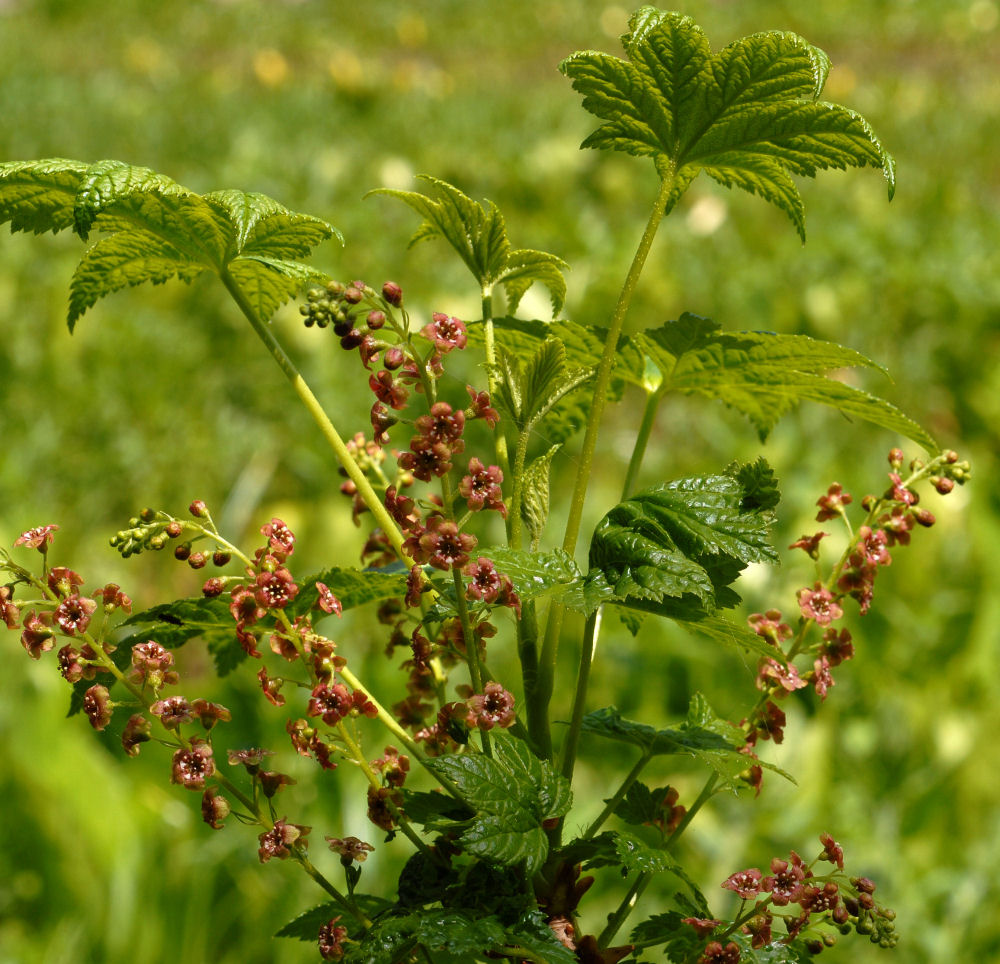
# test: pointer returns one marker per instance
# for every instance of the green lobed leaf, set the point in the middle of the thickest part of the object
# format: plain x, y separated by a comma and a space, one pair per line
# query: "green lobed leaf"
125, 259
765, 375
353, 587
157, 230
641, 805
479, 236
534, 574
513, 793
39, 195
690, 537
704, 736
748, 116
533, 934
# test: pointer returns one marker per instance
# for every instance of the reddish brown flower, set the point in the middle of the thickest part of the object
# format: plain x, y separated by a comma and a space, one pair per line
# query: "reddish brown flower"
832, 504
443, 546
63, 582
446, 333
331, 940
280, 539
481, 407
331, 703
214, 808
493, 707
36, 636
136, 732
210, 713
327, 601
481, 488
279, 841
192, 767
350, 849
746, 883
98, 706
73, 614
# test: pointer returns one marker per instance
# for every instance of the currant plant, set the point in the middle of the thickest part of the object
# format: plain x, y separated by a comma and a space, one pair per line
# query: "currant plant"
476, 782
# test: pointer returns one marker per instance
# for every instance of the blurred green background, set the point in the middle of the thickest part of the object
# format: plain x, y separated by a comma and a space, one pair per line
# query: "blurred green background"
163, 395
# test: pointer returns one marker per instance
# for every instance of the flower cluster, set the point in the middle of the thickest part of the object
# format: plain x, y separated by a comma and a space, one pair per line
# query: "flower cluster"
831, 899
889, 522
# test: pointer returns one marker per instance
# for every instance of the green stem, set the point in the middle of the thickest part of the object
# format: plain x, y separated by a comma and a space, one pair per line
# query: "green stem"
653, 400
632, 776
587, 649
639, 885
347, 462
304, 862
550, 645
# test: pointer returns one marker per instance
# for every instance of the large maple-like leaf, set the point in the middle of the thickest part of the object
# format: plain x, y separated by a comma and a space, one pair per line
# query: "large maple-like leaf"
749, 116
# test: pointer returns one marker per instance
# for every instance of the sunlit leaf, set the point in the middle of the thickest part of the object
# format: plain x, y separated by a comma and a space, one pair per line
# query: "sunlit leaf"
748, 116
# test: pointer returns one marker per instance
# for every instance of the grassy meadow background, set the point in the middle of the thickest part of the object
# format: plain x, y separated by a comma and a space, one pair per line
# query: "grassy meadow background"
163, 395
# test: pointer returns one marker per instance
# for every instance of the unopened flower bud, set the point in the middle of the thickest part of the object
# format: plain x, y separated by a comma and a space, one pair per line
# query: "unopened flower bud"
351, 340
924, 518
353, 295
951, 456
197, 560
182, 551
335, 288
896, 458
375, 320
198, 509
220, 558
944, 486
174, 529
147, 514
392, 293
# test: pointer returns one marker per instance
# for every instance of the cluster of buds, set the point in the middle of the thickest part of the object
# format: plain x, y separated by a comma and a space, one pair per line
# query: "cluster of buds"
832, 899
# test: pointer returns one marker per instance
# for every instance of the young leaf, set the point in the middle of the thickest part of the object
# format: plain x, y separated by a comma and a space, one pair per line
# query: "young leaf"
748, 116
535, 496
688, 537
479, 236
513, 793
765, 375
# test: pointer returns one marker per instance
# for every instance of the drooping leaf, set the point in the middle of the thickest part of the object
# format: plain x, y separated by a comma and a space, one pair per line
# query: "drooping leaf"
353, 587
123, 260
690, 537
765, 375
157, 230
479, 236
703, 735
642, 805
306, 926
513, 793
748, 116
174, 624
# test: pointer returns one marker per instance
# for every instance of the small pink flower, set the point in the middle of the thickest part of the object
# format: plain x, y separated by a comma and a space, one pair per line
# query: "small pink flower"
485, 582
822, 677
832, 850
331, 703
63, 582
837, 646
481, 407
350, 849
214, 808
36, 635
328, 602
73, 614
331, 939
873, 546
746, 883
832, 504
173, 712
280, 539
275, 590
136, 732
447, 333
818, 604
481, 488
702, 926
785, 882
770, 626
39, 538
785, 676
810, 544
